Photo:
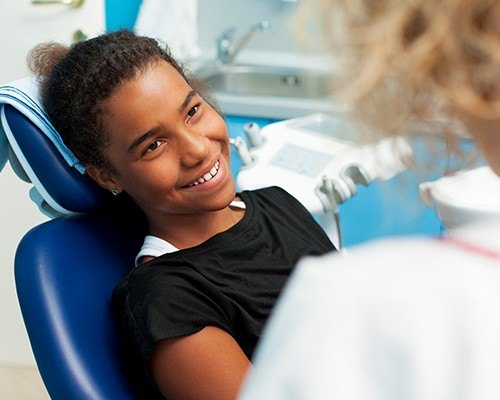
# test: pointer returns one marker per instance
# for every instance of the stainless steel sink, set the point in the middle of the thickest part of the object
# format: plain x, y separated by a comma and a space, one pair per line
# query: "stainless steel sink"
268, 81
268, 91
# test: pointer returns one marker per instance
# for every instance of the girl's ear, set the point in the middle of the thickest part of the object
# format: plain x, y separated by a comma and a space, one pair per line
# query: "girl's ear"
104, 178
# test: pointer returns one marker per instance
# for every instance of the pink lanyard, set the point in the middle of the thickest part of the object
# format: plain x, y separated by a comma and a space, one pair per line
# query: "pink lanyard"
494, 255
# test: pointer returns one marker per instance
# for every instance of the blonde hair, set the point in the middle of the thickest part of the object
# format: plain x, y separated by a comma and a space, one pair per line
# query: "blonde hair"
407, 59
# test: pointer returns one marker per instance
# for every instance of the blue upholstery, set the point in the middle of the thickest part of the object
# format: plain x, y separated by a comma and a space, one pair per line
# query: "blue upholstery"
65, 272
71, 190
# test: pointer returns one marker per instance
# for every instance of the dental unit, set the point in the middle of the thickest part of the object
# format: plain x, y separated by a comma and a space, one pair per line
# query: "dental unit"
315, 159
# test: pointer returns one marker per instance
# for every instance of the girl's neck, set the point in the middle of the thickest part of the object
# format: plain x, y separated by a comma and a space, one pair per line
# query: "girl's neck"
184, 231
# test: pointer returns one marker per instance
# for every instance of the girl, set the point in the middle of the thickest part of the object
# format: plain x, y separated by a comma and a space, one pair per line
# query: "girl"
214, 262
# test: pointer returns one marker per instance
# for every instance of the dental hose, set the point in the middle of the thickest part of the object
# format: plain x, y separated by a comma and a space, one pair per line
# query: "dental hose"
328, 188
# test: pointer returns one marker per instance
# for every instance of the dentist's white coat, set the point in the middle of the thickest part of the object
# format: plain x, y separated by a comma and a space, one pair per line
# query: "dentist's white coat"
397, 319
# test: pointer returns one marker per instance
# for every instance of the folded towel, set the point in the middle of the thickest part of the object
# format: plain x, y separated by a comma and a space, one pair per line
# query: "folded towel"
175, 22
23, 94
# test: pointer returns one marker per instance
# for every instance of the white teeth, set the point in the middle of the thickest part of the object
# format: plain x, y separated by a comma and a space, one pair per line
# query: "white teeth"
208, 175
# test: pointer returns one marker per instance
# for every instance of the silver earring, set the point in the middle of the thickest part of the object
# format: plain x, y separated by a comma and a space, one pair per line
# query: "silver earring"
115, 192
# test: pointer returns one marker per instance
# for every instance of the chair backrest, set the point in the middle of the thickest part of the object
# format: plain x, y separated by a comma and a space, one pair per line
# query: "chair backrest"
65, 272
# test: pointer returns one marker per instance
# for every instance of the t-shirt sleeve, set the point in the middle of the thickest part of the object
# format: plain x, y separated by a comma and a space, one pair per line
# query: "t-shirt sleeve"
168, 304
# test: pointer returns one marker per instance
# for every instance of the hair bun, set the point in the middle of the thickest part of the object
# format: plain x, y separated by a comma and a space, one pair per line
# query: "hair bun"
44, 57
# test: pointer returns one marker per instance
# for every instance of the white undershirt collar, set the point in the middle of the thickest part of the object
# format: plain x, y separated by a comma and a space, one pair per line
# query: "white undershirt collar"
154, 246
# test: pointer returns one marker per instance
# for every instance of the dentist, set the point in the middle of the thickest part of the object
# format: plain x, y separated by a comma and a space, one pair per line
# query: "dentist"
414, 318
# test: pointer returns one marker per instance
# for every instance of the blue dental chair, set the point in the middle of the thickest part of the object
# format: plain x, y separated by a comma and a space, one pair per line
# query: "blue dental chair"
66, 269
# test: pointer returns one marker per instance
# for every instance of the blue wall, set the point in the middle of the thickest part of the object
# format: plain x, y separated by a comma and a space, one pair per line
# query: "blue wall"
121, 13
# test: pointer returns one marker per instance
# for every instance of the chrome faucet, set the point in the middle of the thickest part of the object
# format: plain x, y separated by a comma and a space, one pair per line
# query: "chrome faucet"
226, 52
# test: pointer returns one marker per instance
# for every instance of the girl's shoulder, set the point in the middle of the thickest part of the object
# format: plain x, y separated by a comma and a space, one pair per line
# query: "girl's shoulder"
274, 197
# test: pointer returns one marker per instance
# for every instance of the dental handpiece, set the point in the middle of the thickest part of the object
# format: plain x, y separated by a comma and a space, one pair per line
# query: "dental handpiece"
252, 130
242, 149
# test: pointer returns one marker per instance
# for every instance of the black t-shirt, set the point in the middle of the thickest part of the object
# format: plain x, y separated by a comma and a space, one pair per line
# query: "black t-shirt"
231, 281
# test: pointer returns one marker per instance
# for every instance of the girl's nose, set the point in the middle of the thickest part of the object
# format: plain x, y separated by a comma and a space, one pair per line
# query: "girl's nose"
193, 149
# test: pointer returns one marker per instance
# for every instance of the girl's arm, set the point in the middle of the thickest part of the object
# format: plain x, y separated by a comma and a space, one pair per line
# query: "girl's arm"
206, 365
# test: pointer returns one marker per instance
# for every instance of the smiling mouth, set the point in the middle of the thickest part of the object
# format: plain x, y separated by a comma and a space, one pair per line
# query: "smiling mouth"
207, 176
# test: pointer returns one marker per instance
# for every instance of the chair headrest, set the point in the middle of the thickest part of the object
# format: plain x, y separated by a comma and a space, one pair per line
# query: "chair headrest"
60, 188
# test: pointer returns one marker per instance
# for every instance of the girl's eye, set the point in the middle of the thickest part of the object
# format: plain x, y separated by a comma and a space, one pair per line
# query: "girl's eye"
153, 146
192, 112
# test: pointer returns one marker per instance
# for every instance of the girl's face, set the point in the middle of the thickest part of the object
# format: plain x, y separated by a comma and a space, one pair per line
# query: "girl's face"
169, 148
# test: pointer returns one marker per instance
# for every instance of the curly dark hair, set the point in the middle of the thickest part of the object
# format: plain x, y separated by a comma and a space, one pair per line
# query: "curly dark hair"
76, 80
